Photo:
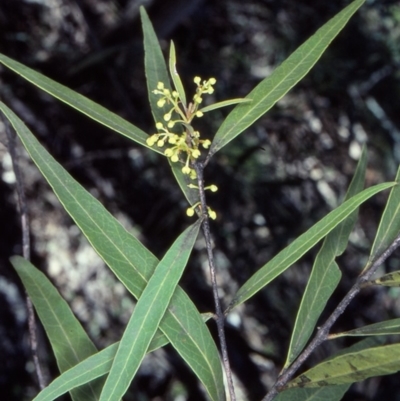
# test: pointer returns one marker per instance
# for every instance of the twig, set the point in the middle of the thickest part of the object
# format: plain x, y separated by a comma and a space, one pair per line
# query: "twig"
220, 318
26, 250
323, 331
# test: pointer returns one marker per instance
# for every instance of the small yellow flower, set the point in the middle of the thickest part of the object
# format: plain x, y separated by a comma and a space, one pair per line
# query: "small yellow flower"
212, 214
172, 139
175, 158
193, 174
161, 102
160, 143
190, 212
167, 116
199, 114
212, 81
206, 143
213, 188
159, 126
197, 80
169, 152
160, 86
186, 169
195, 153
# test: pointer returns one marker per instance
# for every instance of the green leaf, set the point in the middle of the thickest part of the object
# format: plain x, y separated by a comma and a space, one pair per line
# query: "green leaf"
176, 79
302, 244
91, 368
224, 103
323, 281
327, 393
352, 367
147, 315
325, 274
95, 366
388, 280
130, 261
156, 71
388, 327
284, 78
68, 339
79, 102
389, 226
154, 65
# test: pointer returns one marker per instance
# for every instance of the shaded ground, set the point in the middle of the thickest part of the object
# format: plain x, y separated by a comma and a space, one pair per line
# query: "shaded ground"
274, 181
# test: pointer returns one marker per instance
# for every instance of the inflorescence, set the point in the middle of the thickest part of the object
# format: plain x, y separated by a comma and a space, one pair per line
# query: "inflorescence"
186, 146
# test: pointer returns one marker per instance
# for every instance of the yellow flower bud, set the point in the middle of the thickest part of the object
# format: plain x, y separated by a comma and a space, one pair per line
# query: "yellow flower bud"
197, 80
186, 170
206, 143
213, 188
193, 174
212, 214
160, 86
161, 102
190, 212
199, 114
160, 143
159, 126
167, 116
175, 158
151, 140
195, 153
212, 81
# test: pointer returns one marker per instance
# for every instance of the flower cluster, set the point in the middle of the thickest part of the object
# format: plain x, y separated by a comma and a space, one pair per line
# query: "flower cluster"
186, 146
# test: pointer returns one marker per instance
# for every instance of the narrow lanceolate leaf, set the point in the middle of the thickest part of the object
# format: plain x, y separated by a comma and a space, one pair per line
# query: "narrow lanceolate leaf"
388, 327
388, 280
302, 244
176, 79
389, 226
156, 71
93, 367
284, 78
327, 393
78, 102
224, 103
89, 369
352, 367
68, 339
154, 66
130, 261
147, 315
325, 273
323, 281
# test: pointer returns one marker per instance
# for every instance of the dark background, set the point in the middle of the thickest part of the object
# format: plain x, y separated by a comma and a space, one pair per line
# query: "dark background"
275, 180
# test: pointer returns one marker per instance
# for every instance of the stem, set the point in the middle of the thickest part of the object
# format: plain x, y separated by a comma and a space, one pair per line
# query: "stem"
220, 318
323, 331
26, 251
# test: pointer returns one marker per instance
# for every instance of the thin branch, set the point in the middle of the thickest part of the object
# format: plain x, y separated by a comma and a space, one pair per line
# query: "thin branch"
26, 249
323, 331
220, 318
